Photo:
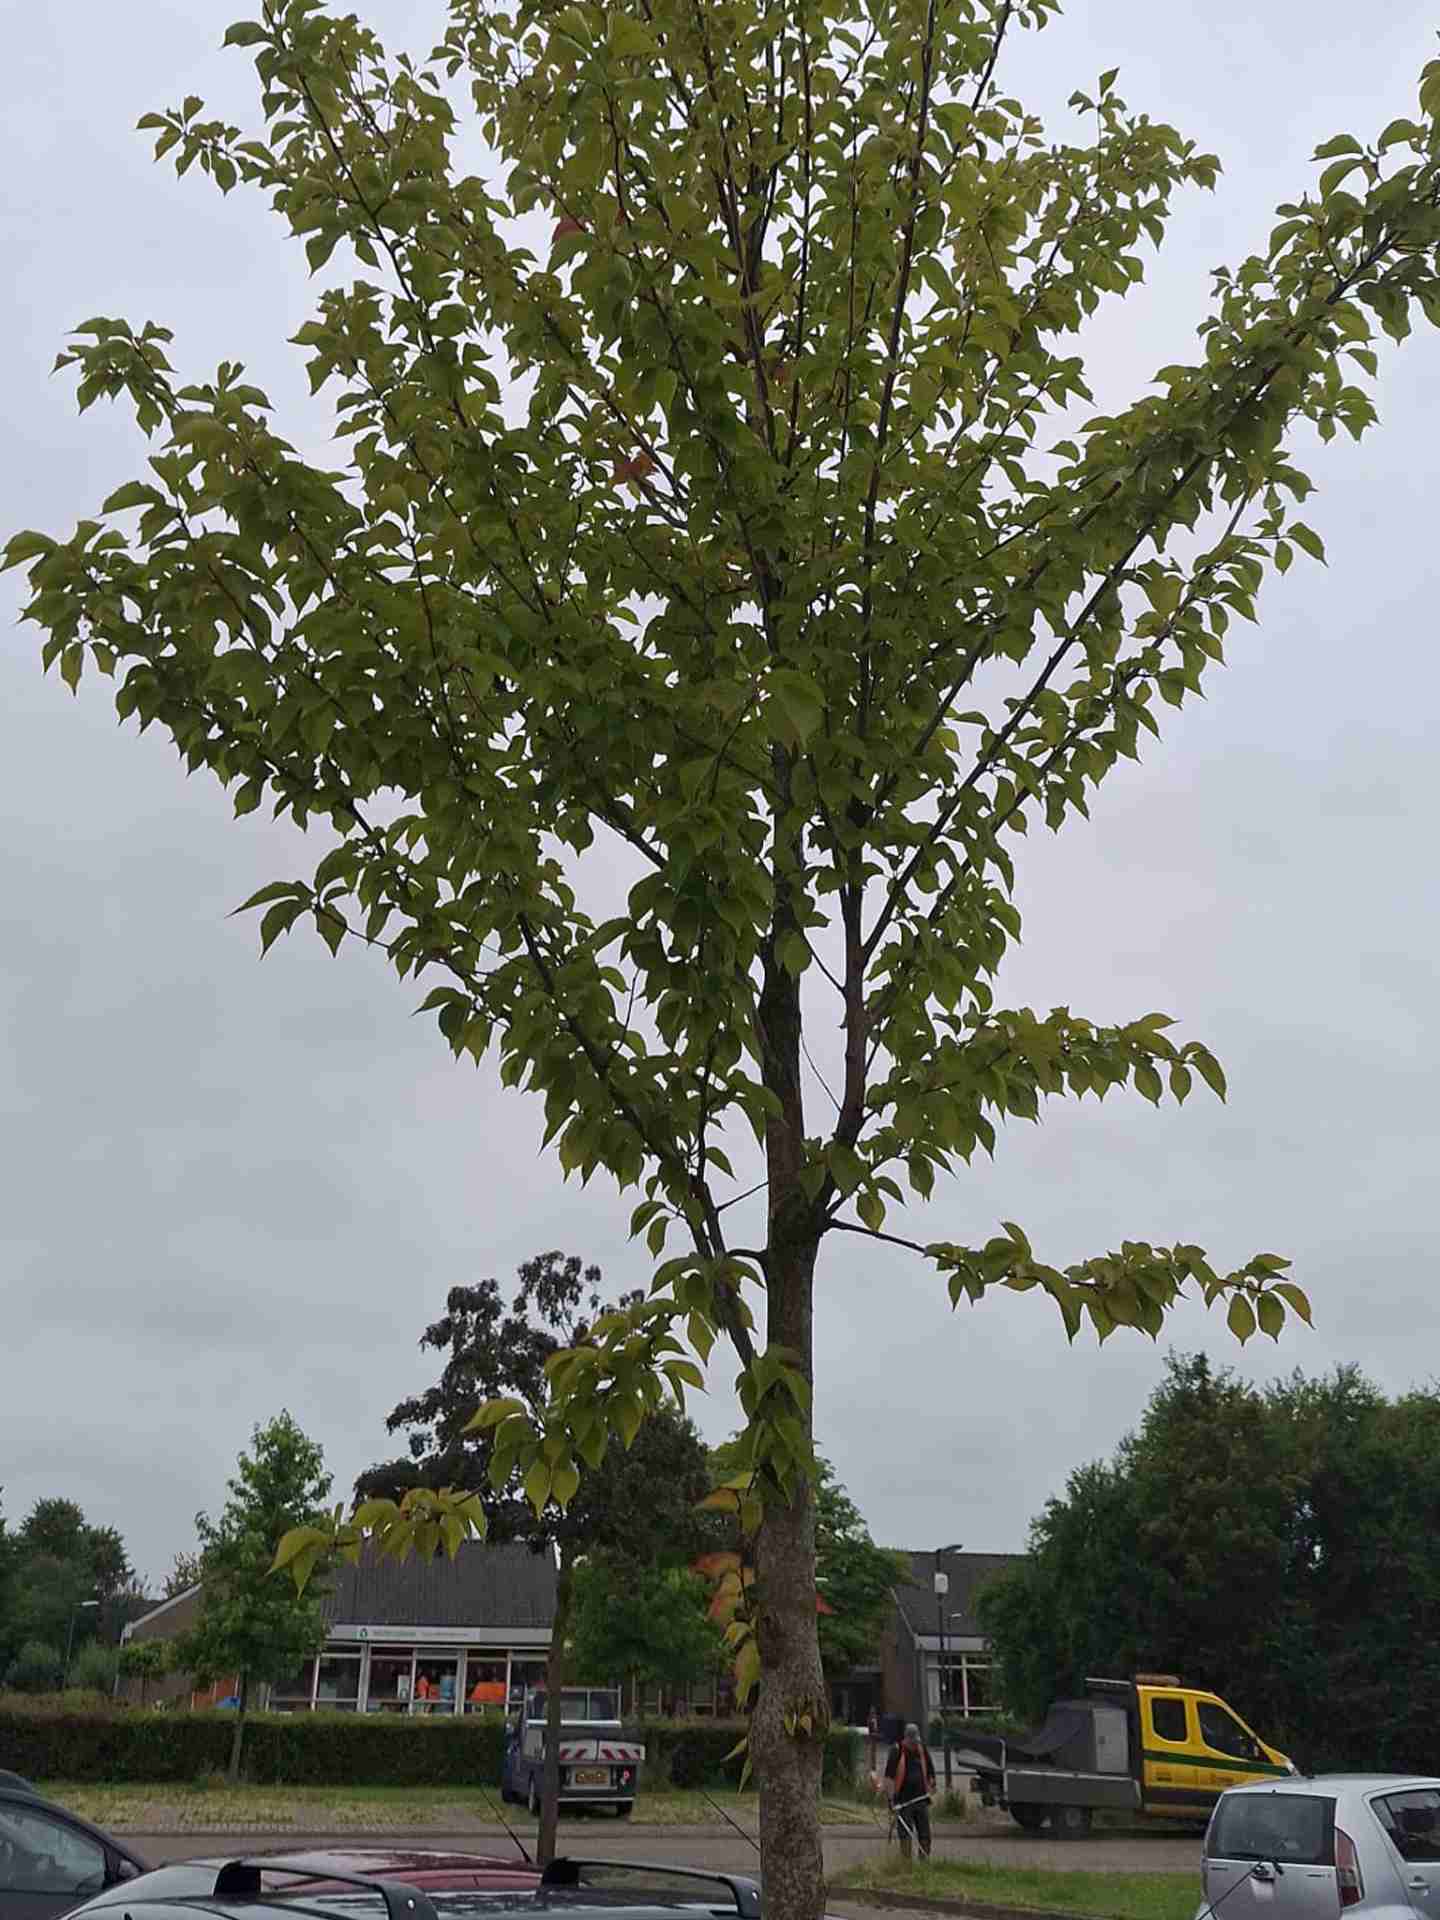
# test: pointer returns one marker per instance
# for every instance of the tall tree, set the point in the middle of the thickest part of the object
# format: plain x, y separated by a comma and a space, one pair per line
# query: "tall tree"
637, 1505
769, 576
72, 1582
249, 1625
1282, 1547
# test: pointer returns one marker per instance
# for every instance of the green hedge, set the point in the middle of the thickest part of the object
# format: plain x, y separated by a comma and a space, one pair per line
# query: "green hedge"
695, 1753
49, 1739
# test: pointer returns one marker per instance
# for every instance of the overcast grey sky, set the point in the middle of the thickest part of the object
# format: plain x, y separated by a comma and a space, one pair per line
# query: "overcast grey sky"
227, 1188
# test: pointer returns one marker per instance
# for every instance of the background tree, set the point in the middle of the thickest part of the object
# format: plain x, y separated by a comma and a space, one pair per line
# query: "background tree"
777, 580
94, 1668
57, 1562
36, 1668
145, 1661
184, 1573
638, 1505
646, 1626
250, 1626
9, 1605
1277, 1546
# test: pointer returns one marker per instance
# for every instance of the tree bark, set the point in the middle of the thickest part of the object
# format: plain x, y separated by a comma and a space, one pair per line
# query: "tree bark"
787, 1756
237, 1739
555, 1668
786, 1751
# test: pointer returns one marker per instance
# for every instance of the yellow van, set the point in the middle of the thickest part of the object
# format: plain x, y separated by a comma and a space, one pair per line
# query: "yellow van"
1146, 1745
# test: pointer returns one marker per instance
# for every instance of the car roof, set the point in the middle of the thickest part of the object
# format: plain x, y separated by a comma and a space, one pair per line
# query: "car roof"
1335, 1783
238, 1889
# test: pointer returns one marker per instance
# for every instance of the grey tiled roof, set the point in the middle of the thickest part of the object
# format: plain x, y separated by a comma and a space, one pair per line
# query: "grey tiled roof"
968, 1573
502, 1586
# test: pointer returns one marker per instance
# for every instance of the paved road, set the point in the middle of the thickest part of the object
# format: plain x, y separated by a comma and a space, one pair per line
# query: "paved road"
848, 1846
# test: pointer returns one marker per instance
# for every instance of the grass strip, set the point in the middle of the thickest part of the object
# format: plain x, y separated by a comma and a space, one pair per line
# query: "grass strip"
1109, 1896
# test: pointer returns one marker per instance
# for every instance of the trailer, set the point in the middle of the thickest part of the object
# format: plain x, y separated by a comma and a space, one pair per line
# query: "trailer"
1146, 1746
600, 1761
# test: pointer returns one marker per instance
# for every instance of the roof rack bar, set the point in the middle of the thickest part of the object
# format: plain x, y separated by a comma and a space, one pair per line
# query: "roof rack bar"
241, 1879
566, 1871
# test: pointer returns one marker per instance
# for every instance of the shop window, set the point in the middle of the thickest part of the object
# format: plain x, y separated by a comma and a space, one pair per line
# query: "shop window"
337, 1686
437, 1677
296, 1693
392, 1674
485, 1682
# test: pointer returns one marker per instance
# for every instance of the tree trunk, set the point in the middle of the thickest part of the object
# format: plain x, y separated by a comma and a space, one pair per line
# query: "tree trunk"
237, 1739
791, 1715
554, 1680
786, 1755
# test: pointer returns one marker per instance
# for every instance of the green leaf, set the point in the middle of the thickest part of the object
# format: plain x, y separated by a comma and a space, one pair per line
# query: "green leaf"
135, 493
1271, 1315
798, 700
537, 1486
1296, 1298
1209, 1070
1241, 1318
1342, 143
26, 546
1308, 540
1334, 174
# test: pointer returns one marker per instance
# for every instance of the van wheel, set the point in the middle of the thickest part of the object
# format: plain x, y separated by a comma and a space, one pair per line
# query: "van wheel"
1070, 1823
1028, 1815
624, 1810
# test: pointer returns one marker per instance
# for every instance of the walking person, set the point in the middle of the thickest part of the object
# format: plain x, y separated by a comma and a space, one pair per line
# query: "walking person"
910, 1773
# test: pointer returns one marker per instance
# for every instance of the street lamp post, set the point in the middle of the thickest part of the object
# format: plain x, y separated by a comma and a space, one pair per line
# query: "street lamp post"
942, 1588
79, 1607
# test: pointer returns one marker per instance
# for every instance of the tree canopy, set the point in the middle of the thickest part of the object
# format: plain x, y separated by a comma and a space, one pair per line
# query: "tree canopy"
54, 1563
692, 622
1279, 1546
250, 1626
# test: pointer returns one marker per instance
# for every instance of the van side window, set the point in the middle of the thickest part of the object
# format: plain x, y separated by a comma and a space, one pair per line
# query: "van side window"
1167, 1715
1223, 1733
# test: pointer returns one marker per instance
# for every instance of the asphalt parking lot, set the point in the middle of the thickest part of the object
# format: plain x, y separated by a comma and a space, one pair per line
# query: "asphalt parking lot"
1128, 1851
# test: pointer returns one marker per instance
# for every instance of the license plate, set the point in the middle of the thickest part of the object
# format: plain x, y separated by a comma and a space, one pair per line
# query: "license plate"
591, 1776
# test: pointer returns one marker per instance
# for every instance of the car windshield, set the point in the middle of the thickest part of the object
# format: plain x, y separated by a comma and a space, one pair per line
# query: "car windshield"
1273, 1826
579, 1703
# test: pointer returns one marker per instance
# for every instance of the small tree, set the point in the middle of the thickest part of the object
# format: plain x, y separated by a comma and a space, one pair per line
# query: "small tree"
685, 713
251, 1626
145, 1661
94, 1668
648, 1626
37, 1668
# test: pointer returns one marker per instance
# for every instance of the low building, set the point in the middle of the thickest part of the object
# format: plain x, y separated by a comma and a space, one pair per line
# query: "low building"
934, 1655
404, 1636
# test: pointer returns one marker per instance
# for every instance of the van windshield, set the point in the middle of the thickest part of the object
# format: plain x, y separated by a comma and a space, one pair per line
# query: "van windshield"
1273, 1826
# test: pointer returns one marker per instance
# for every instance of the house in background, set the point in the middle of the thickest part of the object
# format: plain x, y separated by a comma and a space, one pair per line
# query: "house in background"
934, 1654
404, 1636
457, 1636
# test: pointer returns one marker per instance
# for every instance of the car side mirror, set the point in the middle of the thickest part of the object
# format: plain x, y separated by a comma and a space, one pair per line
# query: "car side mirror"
124, 1870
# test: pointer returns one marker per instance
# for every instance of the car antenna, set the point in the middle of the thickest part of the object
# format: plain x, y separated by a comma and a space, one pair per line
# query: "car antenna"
524, 1851
728, 1821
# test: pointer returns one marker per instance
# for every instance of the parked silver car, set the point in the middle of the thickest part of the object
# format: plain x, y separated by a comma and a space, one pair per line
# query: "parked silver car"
1309, 1848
